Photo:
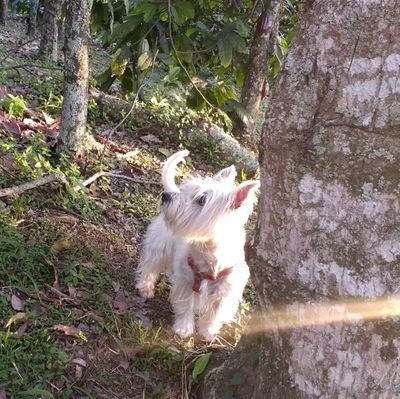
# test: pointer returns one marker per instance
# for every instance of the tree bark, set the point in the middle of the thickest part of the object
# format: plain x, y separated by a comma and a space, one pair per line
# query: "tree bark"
255, 84
76, 77
32, 18
3, 11
327, 245
49, 40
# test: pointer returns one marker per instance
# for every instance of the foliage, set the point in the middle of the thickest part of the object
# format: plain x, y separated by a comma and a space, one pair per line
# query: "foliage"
14, 105
208, 39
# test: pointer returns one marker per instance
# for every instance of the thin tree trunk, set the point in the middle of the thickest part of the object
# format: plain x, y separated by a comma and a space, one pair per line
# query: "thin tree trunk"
32, 19
76, 79
326, 257
49, 41
3, 11
255, 84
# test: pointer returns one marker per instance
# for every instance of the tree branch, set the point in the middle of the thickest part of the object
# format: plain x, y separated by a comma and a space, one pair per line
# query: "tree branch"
116, 174
16, 190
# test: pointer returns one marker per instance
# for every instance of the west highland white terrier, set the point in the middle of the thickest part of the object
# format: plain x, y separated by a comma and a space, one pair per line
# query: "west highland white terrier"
198, 241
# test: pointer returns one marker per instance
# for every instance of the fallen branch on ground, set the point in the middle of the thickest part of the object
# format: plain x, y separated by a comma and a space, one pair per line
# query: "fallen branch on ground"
16, 190
116, 174
230, 149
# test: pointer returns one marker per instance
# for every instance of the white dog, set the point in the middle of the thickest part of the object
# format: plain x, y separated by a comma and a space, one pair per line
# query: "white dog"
198, 240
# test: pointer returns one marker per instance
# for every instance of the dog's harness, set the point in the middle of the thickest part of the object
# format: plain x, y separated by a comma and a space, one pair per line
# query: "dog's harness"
200, 276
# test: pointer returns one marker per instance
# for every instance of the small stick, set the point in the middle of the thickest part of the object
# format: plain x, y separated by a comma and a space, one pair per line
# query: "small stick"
16, 190
116, 174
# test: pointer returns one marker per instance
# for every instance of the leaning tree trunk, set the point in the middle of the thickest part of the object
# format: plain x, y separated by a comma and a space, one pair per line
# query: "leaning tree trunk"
327, 248
32, 18
255, 84
76, 77
3, 11
49, 40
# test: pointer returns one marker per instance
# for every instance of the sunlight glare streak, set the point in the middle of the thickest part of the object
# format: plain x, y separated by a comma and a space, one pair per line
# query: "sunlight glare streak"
298, 315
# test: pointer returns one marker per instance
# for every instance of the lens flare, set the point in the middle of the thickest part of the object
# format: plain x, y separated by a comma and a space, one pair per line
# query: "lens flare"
300, 315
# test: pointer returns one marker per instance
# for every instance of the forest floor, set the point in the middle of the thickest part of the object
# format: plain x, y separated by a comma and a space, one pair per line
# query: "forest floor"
71, 323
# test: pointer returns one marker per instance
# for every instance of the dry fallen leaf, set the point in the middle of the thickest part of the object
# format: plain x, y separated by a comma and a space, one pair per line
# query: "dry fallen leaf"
120, 302
21, 331
80, 362
48, 119
78, 372
116, 286
60, 246
17, 303
20, 316
67, 330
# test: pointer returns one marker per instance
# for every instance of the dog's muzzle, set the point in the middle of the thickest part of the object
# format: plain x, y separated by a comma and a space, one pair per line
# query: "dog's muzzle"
166, 197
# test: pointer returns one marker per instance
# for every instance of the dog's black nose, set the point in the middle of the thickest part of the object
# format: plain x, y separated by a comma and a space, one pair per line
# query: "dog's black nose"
166, 197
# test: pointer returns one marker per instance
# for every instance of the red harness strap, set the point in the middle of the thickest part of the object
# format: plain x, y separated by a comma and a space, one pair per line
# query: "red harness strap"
200, 276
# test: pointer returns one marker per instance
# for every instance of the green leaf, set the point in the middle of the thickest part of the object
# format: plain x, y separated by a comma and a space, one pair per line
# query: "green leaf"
182, 11
240, 45
200, 365
186, 9
242, 29
123, 30
224, 52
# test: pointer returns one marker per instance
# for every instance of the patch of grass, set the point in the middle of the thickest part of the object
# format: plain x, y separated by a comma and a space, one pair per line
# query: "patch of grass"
31, 362
140, 202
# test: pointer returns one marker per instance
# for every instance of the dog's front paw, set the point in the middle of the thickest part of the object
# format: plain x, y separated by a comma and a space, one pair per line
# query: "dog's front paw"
208, 333
183, 327
146, 291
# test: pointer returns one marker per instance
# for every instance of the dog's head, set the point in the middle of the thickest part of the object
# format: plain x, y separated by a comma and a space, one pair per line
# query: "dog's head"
202, 208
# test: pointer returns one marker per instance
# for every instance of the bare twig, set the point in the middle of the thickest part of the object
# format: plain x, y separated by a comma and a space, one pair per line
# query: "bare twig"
116, 174
114, 129
61, 295
179, 60
16, 190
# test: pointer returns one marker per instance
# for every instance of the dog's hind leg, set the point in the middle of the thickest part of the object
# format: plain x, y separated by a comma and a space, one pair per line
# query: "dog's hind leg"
155, 257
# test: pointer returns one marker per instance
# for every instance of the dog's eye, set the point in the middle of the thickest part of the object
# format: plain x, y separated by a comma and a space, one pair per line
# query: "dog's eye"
201, 200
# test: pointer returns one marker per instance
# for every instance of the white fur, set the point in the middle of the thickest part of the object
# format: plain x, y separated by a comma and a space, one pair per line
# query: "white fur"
212, 234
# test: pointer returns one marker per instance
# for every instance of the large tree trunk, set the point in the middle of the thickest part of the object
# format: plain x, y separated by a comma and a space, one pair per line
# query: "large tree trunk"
329, 219
32, 18
3, 11
76, 79
49, 40
255, 84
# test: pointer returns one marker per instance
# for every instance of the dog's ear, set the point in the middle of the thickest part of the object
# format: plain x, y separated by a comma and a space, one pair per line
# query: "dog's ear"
227, 174
242, 192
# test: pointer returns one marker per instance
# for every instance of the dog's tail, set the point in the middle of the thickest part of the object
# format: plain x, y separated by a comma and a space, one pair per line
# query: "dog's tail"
168, 175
